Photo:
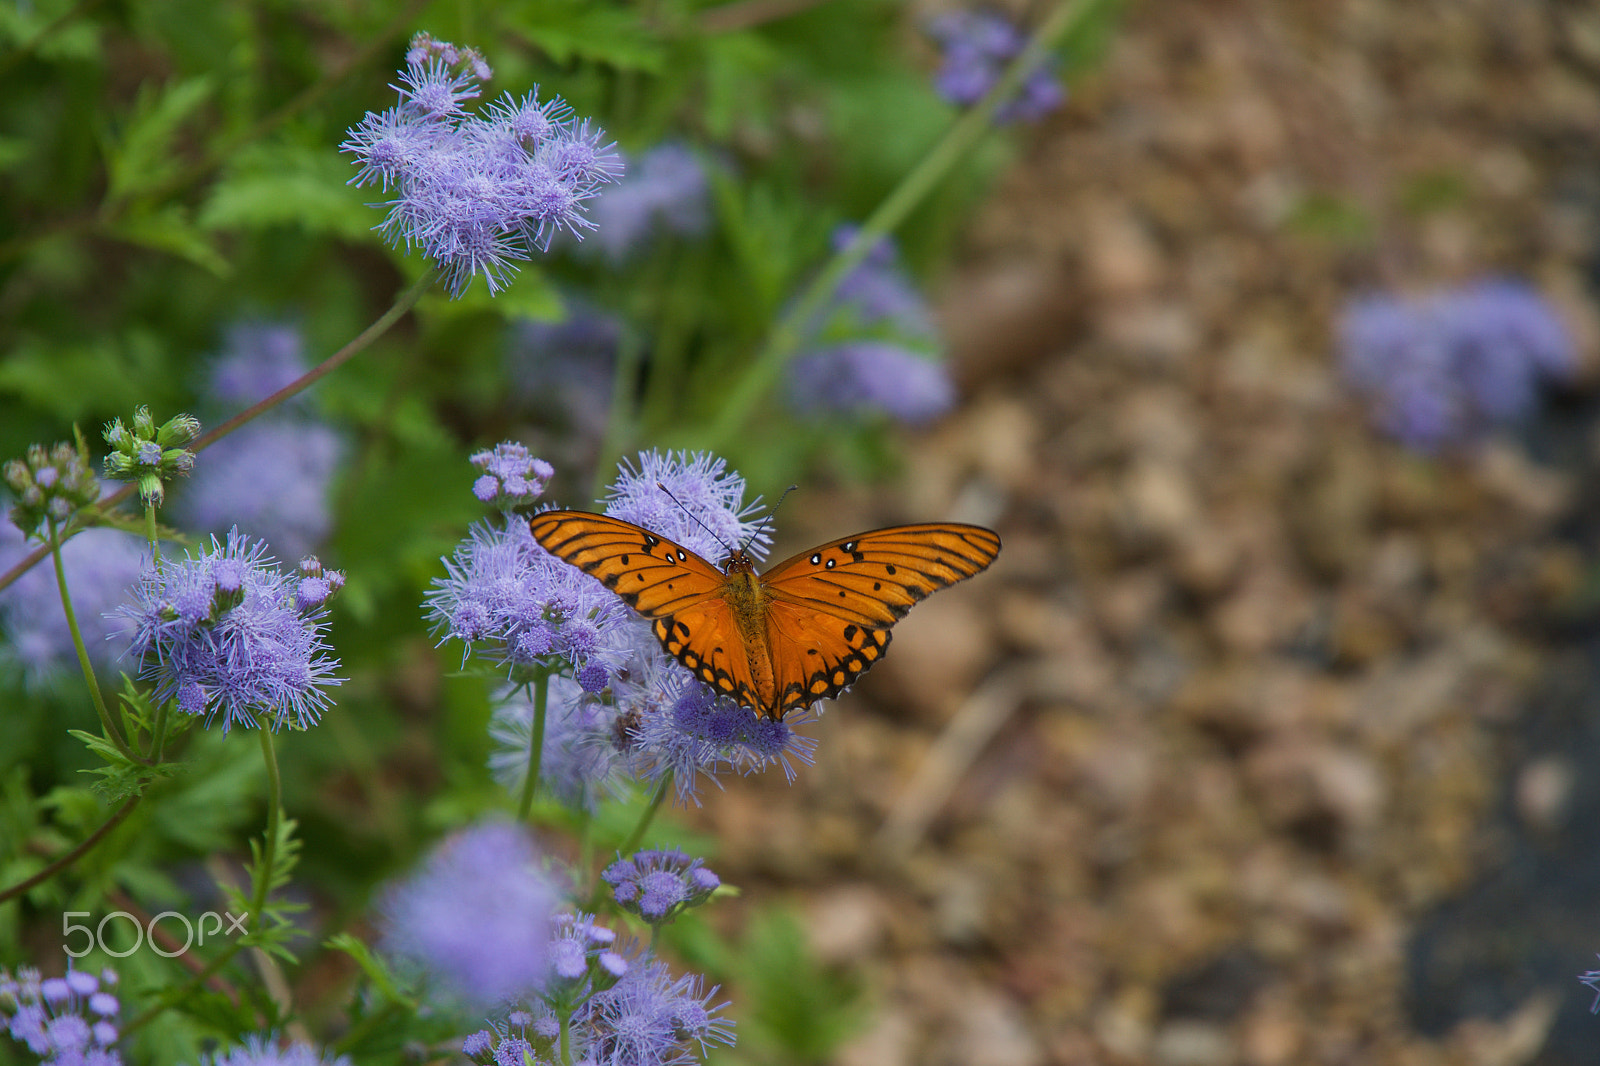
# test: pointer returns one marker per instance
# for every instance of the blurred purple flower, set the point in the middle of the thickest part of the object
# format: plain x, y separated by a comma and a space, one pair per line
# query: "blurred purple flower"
874, 348
477, 193
657, 885
478, 915
977, 47
863, 376
66, 1021
666, 191
581, 761
564, 368
1442, 369
272, 476
222, 631
101, 565
263, 1050
258, 359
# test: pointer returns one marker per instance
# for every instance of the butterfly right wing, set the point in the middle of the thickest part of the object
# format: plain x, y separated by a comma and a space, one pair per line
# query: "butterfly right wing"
671, 585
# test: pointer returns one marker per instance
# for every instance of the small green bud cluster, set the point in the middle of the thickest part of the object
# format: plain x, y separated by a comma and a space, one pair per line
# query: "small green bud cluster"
51, 484
151, 455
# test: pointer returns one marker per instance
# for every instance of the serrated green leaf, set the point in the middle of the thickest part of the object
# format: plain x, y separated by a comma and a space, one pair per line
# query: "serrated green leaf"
290, 185
170, 230
371, 965
578, 29
143, 157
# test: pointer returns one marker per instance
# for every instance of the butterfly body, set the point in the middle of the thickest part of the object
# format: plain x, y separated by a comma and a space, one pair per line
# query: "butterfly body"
774, 642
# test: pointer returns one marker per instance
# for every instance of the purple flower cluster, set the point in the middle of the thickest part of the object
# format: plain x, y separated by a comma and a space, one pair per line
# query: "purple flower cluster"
702, 506
512, 477
977, 47
263, 1050
700, 732
150, 455
66, 1021
659, 885
224, 631
620, 1010
505, 597
874, 349
271, 476
666, 192
477, 916
582, 760
101, 565
1442, 369
477, 192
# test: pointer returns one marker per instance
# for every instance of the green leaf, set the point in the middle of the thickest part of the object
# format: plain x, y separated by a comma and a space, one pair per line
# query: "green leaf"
70, 381
170, 230
290, 185
144, 158
372, 966
579, 29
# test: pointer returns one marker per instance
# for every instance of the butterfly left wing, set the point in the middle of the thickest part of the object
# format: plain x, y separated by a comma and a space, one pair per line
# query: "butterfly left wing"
677, 589
652, 575
829, 609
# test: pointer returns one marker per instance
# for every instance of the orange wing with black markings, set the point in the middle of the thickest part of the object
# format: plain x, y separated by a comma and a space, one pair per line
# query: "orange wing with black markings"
802, 632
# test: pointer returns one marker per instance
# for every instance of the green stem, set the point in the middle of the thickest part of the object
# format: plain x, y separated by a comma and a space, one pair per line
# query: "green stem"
789, 332
620, 420
151, 535
632, 843
187, 989
566, 1038
111, 730
76, 853
530, 781
269, 849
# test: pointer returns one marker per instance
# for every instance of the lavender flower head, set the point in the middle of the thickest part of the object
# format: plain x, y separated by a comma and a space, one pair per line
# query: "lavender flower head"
477, 192
101, 565
512, 477
701, 508
263, 1050
1443, 369
977, 47
223, 632
257, 360
508, 599
150, 455
874, 348
477, 915
666, 192
699, 733
627, 1011
66, 1021
659, 885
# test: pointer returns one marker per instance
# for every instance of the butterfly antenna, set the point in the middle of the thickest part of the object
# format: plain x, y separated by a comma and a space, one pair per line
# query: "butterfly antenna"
695, 517
770, 516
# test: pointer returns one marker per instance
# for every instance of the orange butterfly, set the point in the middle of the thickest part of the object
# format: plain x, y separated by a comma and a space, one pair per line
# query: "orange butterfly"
801, 632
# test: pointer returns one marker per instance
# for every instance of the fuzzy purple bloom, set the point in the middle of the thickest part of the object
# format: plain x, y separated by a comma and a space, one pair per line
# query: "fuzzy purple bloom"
582, 760
874, 348
263, 1050
977, 46
701, 733
563, 369
667, 191
272, 476
702, 509
1443, 369
477, 192
222, 632
859, 377
257, 360
477, 915
658, 885
509, 599
65, 1021
512, 477
101, 565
